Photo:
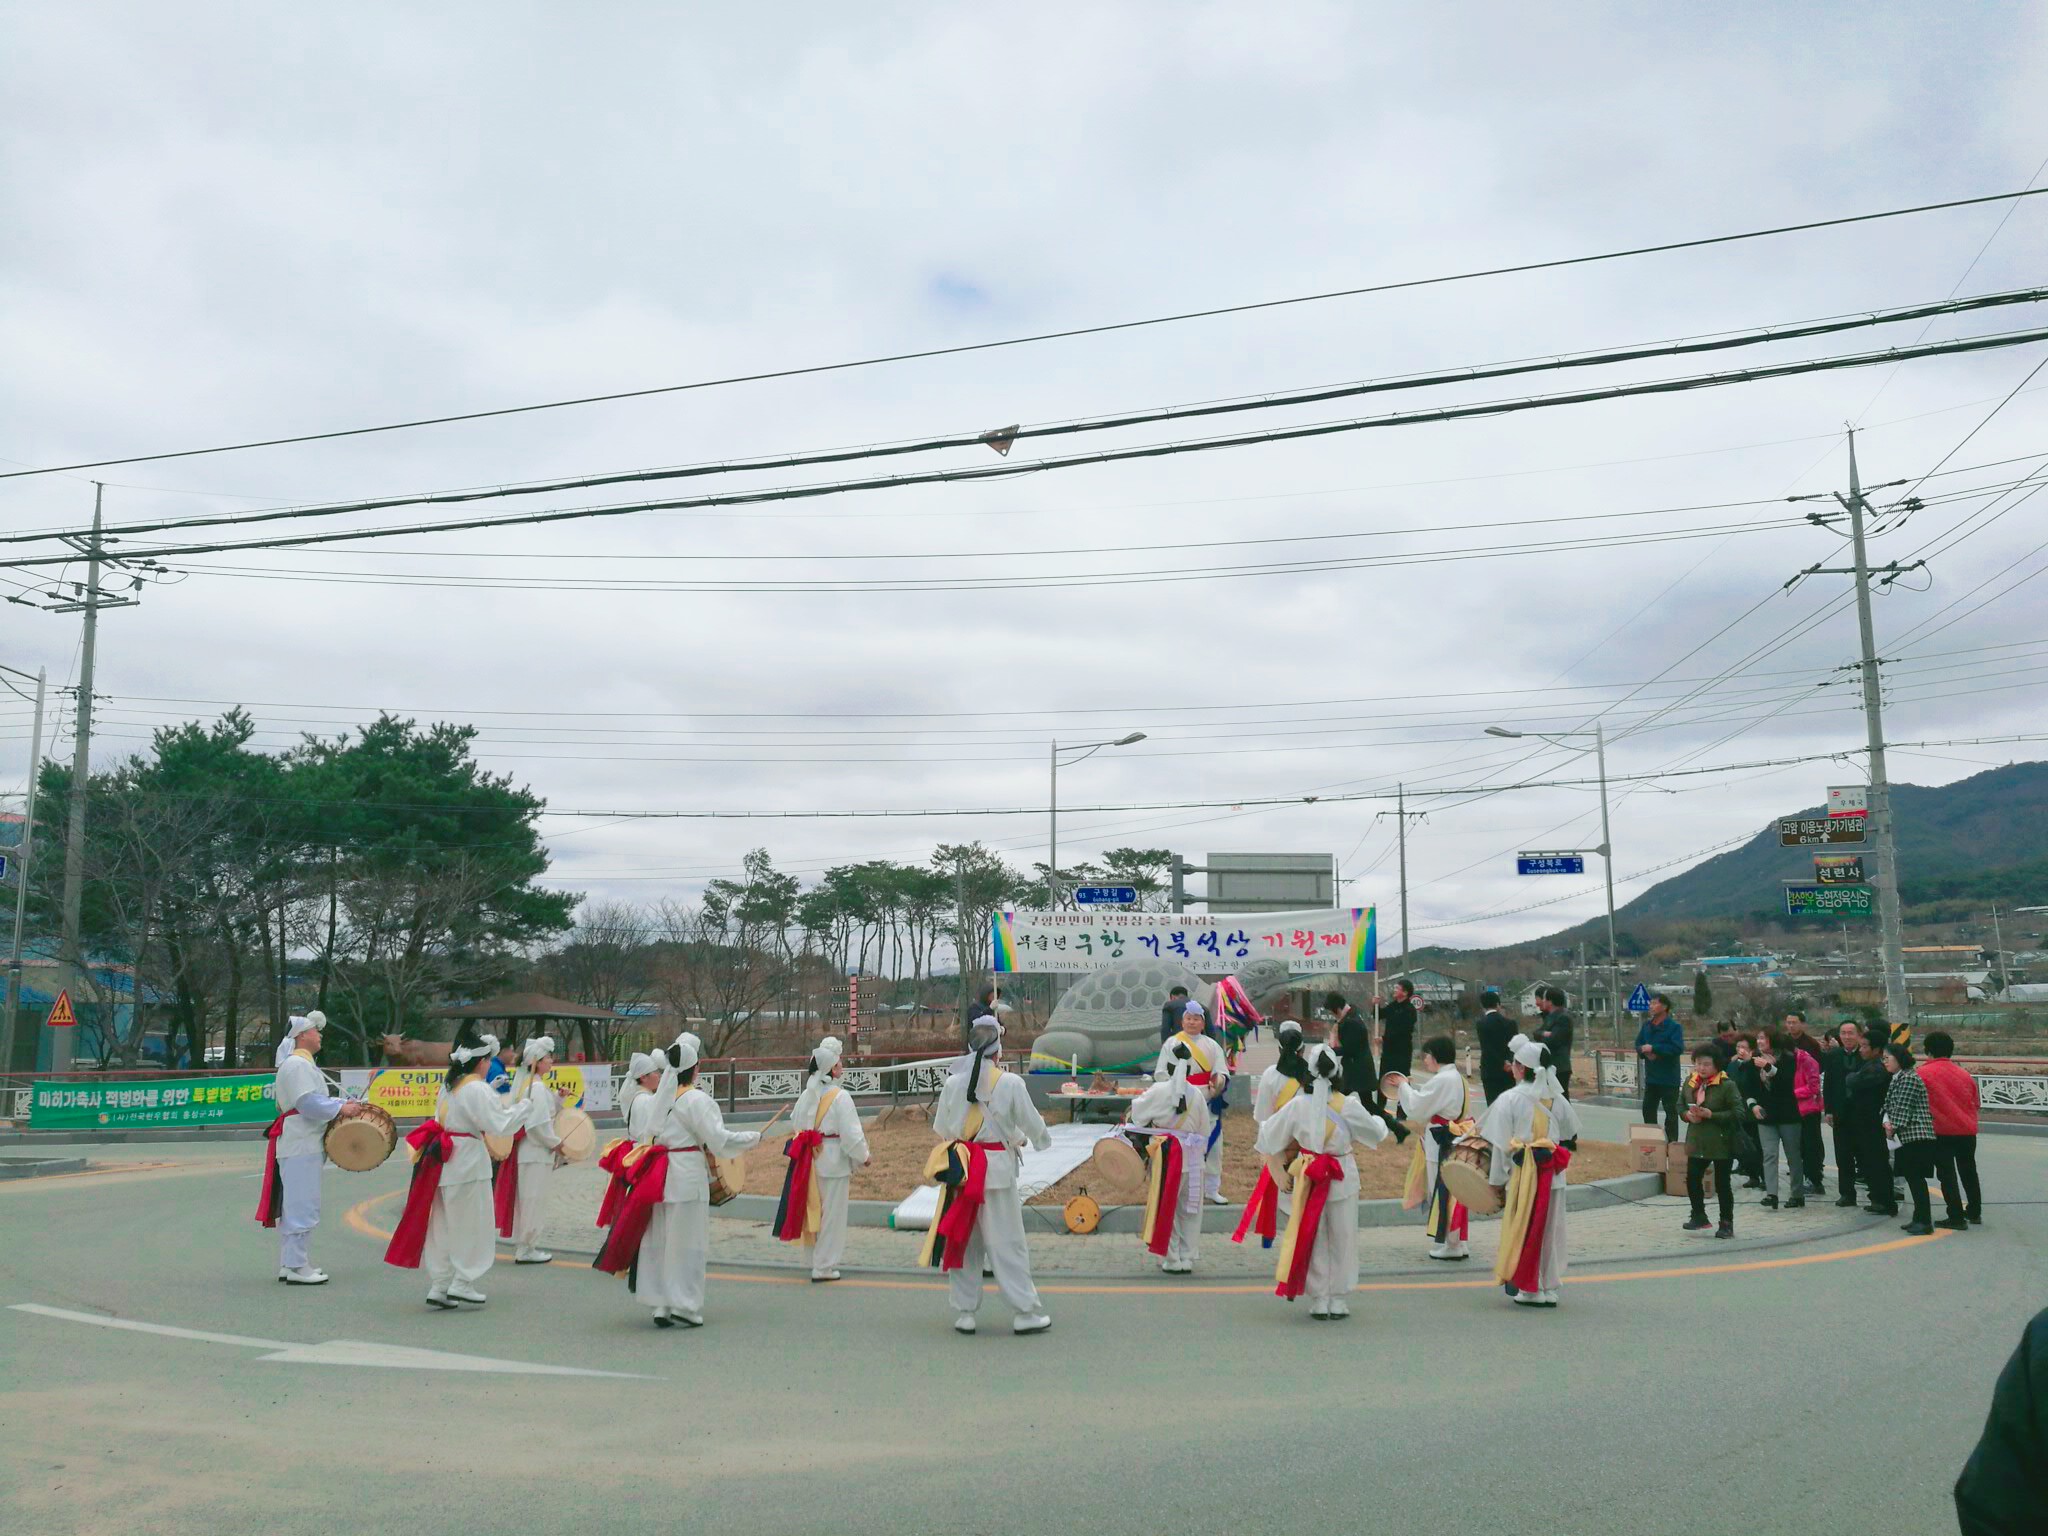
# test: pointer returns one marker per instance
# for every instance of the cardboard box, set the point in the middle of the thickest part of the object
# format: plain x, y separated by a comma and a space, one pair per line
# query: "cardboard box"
1674, 1181
1646, 1149
1676, 1156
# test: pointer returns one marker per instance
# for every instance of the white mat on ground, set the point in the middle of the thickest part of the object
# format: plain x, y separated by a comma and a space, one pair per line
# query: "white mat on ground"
1072, 1145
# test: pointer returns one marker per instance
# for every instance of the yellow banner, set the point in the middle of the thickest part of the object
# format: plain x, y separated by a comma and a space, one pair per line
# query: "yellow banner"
411, 1093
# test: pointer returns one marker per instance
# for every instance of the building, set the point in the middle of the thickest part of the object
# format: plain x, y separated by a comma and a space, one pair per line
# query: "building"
1431, 986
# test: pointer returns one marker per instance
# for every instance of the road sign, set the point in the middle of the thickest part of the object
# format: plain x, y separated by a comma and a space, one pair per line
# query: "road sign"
1838, 868
4, 866
1808, 900
1550, 864
1106, 895
1639, 1000
61, 1016
1848, 800
1813, 831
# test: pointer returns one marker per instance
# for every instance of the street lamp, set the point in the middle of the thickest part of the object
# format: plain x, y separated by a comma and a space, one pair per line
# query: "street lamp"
1052, 862
1605, 850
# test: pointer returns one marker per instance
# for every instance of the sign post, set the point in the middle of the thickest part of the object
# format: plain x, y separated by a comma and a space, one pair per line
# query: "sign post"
1564, 863
1106, 895
1805, 899
1838, 868
1816, 831
62, 1014
1639, 1000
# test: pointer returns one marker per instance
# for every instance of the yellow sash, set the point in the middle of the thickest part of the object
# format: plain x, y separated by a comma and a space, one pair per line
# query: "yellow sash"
1520, 1200
814, 1199
1416, 1189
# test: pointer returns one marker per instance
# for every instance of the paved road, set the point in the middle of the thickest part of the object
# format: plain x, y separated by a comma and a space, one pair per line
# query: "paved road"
1658, 1399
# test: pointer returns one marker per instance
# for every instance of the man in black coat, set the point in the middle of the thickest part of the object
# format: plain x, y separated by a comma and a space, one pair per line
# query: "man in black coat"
1495, 1030
1836, 1062
1555, 1030
2003, 1489
1397, 1026
1353, 1038
1868, 1084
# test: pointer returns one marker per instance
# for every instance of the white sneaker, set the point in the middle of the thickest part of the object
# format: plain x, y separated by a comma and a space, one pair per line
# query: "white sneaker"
306, 1275
821, 1276
533, 1256
1319, 1310
462, 1290
1030, 1322
1340, 1309
440, 1301
1217, 1197
964, 1323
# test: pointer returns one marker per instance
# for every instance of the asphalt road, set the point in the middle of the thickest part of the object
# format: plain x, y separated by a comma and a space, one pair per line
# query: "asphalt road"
1821, 1389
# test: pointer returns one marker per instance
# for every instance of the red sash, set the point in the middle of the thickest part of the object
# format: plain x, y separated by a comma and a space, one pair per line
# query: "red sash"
1200, 1079
1322, 1169
614, 1163
270, 1196
1160, 1231
1262, 1211
433, 1144
648, 1182
963, 1209
506, 1195
802, 1152
1539, 1219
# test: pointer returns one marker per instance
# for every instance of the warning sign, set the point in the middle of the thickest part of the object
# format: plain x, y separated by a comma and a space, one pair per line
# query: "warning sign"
61, 1016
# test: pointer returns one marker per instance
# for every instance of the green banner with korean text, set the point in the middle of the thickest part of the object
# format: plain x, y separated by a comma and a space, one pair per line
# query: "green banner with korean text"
87, 1106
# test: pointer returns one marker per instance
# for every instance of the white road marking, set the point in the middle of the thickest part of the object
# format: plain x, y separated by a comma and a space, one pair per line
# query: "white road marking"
333, 1351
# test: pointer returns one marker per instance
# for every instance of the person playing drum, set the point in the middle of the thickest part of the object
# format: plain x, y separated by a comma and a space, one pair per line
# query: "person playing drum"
1271, 1201
1318, 1256
827, 1146
293, 1154
1534, 1130
1210, 1072
523, 1177
1440, 1100
1178, 1115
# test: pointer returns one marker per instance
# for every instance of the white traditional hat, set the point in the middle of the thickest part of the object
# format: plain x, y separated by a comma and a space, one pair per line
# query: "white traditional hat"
297, 1026
688, 1051
642, 1064
537, 1047
462, 1056
825, 1055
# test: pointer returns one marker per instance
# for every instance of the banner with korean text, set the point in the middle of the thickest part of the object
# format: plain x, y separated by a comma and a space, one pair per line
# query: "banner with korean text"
1212, 943
412, 1093
181, 1101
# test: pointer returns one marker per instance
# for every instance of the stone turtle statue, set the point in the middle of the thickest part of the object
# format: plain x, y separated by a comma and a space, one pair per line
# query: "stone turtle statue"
1109, 1020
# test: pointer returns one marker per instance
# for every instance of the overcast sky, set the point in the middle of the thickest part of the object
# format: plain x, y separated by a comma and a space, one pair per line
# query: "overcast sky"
232, 222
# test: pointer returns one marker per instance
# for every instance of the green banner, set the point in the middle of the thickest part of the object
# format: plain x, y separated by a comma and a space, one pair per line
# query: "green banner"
1830, 901
79, 1106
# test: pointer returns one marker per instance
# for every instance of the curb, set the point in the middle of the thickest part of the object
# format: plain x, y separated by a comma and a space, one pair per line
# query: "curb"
38, 1167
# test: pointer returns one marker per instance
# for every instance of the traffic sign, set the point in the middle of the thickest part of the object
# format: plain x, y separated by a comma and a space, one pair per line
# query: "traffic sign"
1848, 800
1106, 895
1838, 868
1550, 864
1639, 1000
3, 866
1803, 899
1813, 831
61, 1016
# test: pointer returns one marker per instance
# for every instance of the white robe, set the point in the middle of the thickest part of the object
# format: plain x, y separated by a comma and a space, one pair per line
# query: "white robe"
1155, 1107
1512, 1117
1443, 1093
1334, 1127
461, 1231
845, 1149
1008, 1116
1266, 1094
677, 1248
1211, 1057
536, 1156
301, 1154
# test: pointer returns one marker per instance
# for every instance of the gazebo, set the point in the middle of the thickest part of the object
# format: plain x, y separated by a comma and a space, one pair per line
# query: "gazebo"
535, 1009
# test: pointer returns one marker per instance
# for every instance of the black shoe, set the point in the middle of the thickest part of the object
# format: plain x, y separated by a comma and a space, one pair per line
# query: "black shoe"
663, 1320
1797, 1202
1752, 1183
1726, 1229
1954, 1223
1917, 1229
1876, 1209
1769, 1202
1697, 1224
1847, 1202
1974, 1219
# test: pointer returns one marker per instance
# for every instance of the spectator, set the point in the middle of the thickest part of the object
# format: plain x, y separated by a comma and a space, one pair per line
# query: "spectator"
1554, 1029
1660, 1045
1952, 1096
1169, 1016
1496, 1029
1909, 1122
1353, 1041
1868, 1085
1836, 1063
983, 1005
2004, 1484
1741, 1069
498, 1070
1713, 1116
1774, 1105
1807, 1085
1397, 1026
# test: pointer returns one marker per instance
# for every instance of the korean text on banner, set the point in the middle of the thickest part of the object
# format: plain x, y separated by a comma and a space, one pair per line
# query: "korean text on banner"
412, 1093
185, 1101
1074, 943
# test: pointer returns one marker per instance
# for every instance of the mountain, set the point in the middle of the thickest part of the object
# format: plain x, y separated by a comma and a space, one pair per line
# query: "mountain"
1983, 838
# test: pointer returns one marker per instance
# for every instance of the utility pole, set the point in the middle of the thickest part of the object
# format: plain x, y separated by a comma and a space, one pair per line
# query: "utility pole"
81, 774
1997, 948
24, 852
1401, 843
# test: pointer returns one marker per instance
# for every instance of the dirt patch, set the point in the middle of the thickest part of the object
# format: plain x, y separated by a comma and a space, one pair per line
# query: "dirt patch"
899, 1151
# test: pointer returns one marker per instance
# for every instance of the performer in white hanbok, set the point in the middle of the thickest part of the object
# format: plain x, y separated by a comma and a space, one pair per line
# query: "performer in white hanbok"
662, 1236
622, 1155
522, 1179
1317, 1132
1178, 1116
1272, 1198
826, 1146
984, 1118
1209, 1071
1534, 1130
295, 1153
446, 1225
1439, 1100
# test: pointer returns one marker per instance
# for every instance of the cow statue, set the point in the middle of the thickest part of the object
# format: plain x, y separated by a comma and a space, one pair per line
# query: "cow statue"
1109, 1020
402, 1052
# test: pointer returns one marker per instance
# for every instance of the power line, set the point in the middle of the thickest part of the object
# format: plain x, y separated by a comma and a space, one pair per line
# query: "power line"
1018, 341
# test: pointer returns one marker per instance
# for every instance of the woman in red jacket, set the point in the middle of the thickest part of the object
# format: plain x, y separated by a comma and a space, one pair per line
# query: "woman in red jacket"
1952, 1096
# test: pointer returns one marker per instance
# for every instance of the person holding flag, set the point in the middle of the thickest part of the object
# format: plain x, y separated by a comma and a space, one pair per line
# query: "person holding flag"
1208, 1070
1316, 1131
822, 1153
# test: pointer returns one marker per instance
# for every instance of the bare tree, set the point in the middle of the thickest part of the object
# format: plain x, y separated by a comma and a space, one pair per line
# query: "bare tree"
715, 970
604, 962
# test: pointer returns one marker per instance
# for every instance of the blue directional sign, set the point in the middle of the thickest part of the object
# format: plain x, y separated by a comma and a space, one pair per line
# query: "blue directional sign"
1639, 1000
1106, 895
1551, 864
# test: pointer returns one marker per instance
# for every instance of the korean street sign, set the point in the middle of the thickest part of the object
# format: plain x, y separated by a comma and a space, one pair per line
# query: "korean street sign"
1807, 900
1848, 800
1810, 831
1106, 895
1550, 864
1838, 868
1639, 1000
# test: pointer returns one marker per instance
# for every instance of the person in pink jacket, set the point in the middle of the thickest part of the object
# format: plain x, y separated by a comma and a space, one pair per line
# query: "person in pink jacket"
1806, 1086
